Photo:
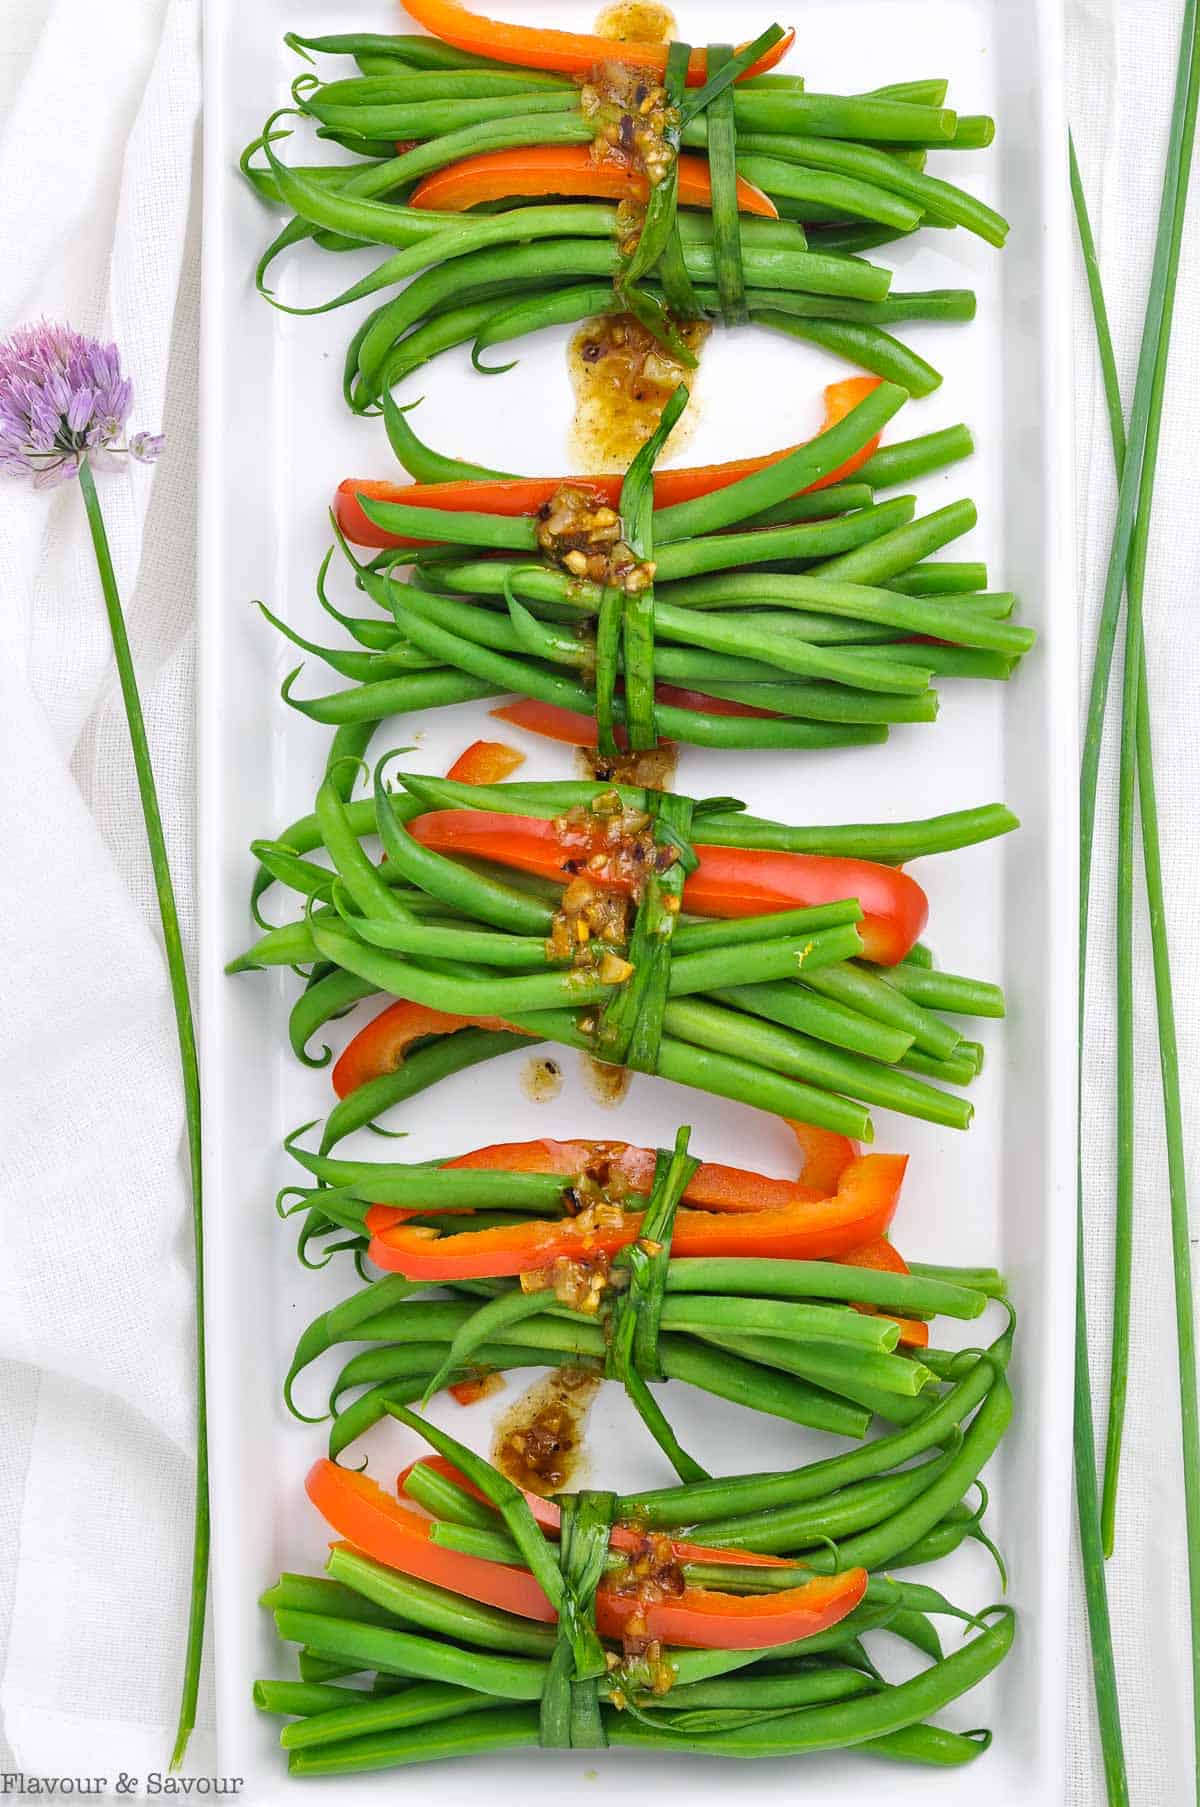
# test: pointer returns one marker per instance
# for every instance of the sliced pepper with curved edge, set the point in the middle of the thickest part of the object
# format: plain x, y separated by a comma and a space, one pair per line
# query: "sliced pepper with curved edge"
526, 495
568, 52
567, 169
381, 1045
727, 882
859, 1212
486, 762
376, 1523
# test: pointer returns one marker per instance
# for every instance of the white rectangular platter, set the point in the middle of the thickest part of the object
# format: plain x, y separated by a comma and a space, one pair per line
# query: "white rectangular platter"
276, 440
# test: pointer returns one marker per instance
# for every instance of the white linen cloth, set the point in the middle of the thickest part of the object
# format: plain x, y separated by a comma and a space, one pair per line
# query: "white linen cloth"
98, 217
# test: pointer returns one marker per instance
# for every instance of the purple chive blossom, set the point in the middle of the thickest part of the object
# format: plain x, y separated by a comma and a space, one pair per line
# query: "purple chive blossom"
63, 400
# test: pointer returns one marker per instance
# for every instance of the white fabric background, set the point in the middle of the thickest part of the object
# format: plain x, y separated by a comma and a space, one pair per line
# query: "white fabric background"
98, 220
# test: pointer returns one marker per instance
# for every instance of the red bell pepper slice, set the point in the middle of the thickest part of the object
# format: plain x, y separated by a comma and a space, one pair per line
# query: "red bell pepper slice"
567, 169
381, 1045
569, 52
858, 1212
376, 1523
525, 495
486, 762
729, 881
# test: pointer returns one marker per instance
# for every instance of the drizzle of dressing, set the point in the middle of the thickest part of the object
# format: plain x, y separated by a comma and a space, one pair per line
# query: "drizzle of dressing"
622, 380
652, 771
541, 1080
621, 376
607, 1084
636, 22
539, 1440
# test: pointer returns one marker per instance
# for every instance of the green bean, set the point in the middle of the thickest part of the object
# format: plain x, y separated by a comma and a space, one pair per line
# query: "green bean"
807, 1687
987, 1280
437, 1609
500, 532
863, 601
958, 1068
797, 1008
790, 1528
422, 1705
395, 1183
690, 937
860, 163
890, 842
670, 1508
851, 197
314, 1593
794, 1055
289, 945
904, 547
374, 702
428, 941
760, 1388
758, 961
720, 634
300, 1698
439, 1060
809, 540
340, 1324
377, 1647
677, 724
877, 998
779, 1318
798, 470
423, 84
491, 900
939, 578
833, 116
848, 1722
938, 990
810, 699
445, 1500
864, 1375
911, 459
881, 1545
868, 347
921, 1296
499, 1728
433, 118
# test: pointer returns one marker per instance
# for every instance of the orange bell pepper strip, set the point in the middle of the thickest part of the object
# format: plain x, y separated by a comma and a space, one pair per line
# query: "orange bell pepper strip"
568, 52
568, 169
809, 1229
728, 881
882, 1255
701, 1619
525, 495
376, 1523
381, 1045
486, 762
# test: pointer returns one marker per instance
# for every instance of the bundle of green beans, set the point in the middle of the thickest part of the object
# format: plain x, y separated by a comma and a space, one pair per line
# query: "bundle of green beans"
776, 1010
825, 609
776, 1336
385, 1658
845, 173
